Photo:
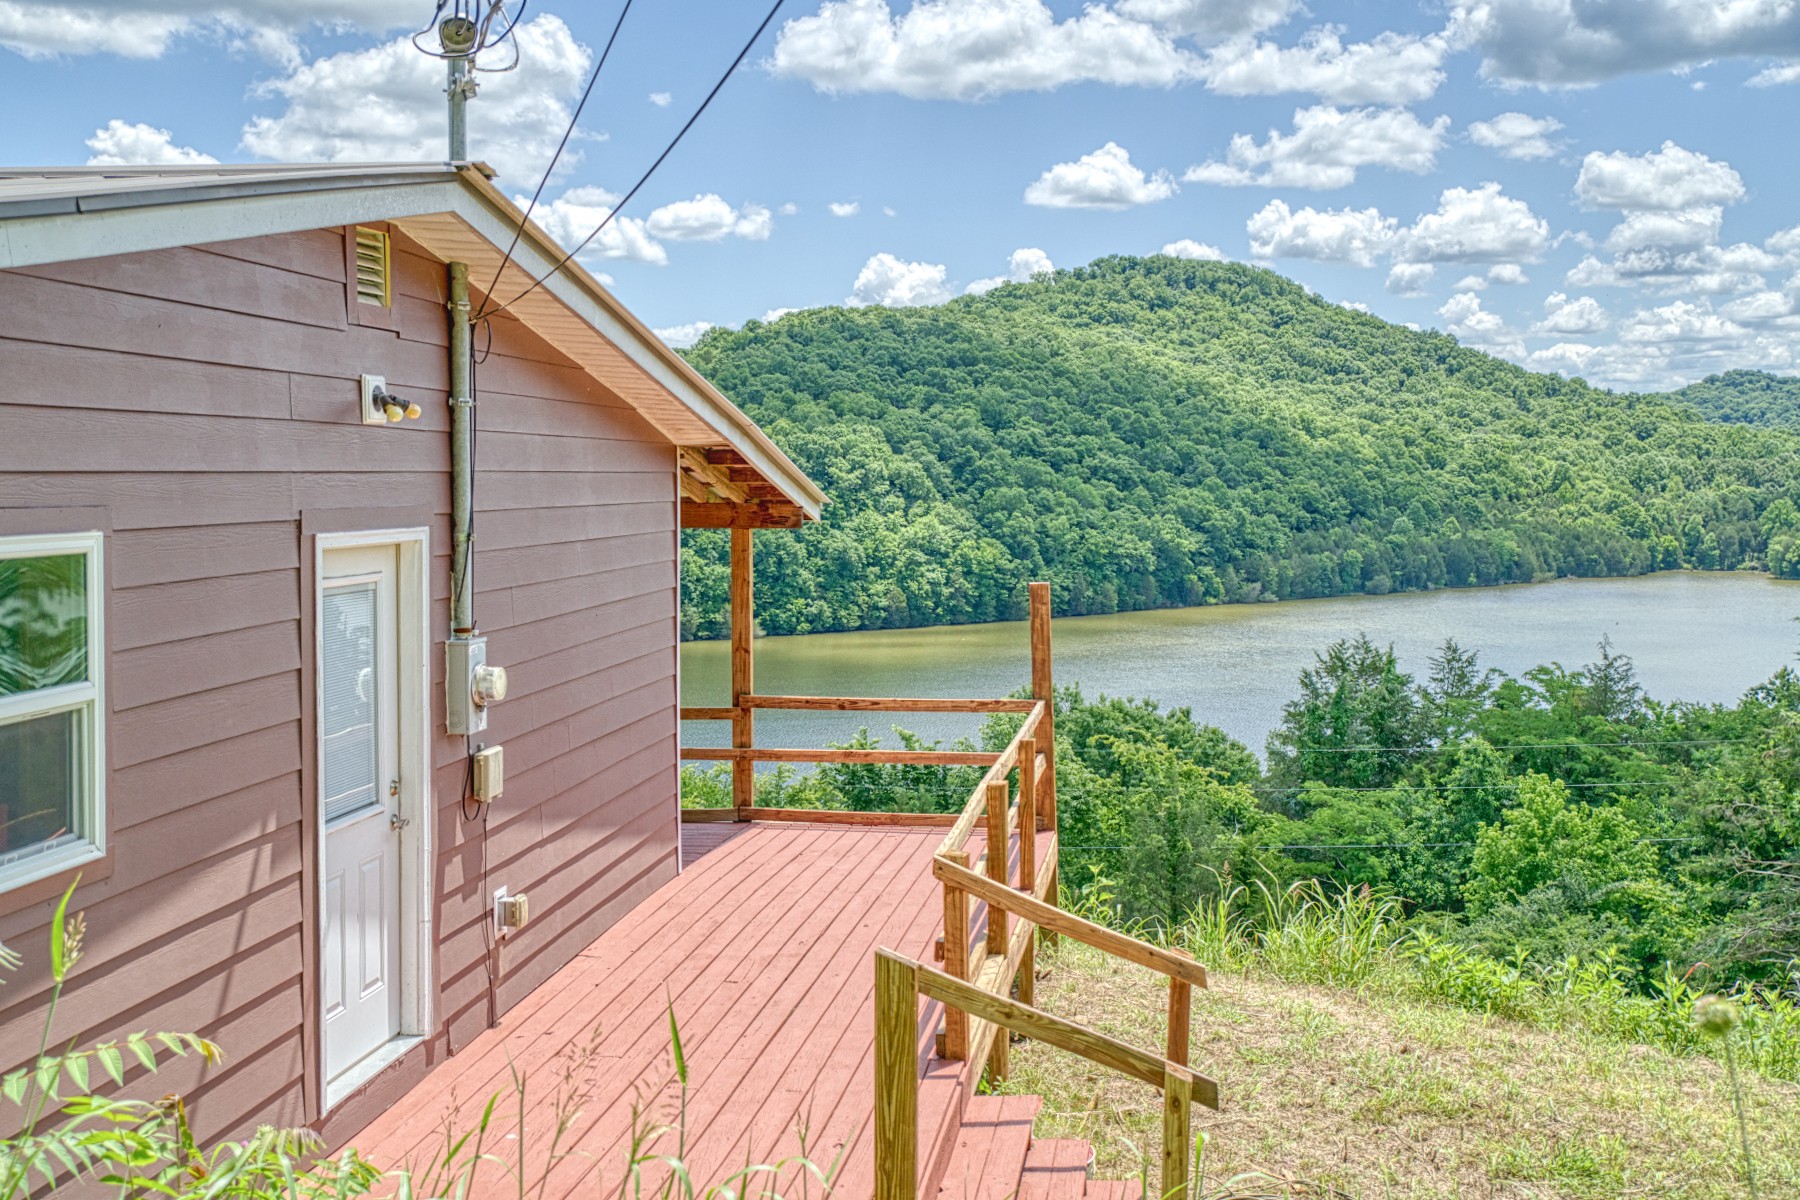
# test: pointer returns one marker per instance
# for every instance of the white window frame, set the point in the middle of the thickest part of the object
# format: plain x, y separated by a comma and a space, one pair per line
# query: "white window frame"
89, 695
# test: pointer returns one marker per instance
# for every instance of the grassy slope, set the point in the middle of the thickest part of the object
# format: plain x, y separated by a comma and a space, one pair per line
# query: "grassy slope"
1392, 1098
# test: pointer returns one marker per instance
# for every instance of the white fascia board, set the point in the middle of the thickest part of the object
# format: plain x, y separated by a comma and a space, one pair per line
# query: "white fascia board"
63, 237
529, 257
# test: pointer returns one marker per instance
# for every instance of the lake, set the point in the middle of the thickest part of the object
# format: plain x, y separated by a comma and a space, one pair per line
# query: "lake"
1693, 636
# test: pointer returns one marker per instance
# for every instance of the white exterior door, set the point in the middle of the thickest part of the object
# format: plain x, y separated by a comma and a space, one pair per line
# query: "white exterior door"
359, 759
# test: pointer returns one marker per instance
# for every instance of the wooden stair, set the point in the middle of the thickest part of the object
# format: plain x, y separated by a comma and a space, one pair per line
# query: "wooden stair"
995, 1157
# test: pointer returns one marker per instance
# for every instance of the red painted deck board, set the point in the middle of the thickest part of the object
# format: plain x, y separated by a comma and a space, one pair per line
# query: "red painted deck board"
764, 945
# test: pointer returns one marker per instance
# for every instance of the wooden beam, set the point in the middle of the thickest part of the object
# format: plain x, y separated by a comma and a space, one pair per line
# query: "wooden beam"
753, 515
715, 479
885, 704
1179, 1087
707, 816
937, 758
841, 816
743, 668
1181, 996
708, 714
1043, 687
1049, 917
896, 1077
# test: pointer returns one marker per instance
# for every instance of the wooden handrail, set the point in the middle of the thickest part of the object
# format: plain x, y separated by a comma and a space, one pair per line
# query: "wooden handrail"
887, 704
899, 982
1052, 919
942, 758
976, 806
709, 714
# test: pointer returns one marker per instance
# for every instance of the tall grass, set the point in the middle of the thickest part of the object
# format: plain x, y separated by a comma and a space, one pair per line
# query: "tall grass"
1359, 938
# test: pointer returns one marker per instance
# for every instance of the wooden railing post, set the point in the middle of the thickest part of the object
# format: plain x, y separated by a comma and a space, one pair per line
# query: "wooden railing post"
1028, 818
1181, 997
956, 959
1178, 1138
743, 670
896, 1078
1043, 688
999, 846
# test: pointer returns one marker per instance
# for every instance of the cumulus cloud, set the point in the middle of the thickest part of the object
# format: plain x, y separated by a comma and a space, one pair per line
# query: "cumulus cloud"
1352, 236
386, 104
709, 218
1470, 283
1775, 76
661, 99
1469, 323
1392, 68
848, 208
1759, 308
1663, 180
1026, 262
1562, 315
1682, 321
1697, 226
1104, 179
576, 213
1713, 269
970, 49
147, 28
1327, 147
897, 283
1476, 225
1554, 43
1507, 273
1516, 135
1409, 279
681, 336
1211, 20
122, 144
1189, 248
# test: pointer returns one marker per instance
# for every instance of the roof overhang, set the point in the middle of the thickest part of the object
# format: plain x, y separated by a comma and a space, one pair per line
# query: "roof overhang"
731, 473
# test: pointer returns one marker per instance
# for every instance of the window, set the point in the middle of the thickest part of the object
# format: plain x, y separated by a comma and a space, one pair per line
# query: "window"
52, 734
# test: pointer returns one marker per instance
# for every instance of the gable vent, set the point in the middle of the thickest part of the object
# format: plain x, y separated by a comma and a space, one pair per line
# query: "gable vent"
373, 284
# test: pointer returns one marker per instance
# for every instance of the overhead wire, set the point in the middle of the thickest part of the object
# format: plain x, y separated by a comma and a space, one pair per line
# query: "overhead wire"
645, 177
549, 169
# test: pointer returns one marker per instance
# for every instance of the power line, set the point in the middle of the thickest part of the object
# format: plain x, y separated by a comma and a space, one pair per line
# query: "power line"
574, 119
645, 178
1519, 746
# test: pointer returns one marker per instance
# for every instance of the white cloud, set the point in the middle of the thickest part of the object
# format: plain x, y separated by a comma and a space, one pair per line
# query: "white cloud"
680, 336
775, 314
1663, 180
1776, 75
848, 208
386, 104
1476, 225
709, 217
896, 283
1355, 306
1554, 43
1759, 307
147, 28
1698, 226
1562, 315
1469, 323
1189, 248
1211, 20
1391, 69
1516, 135
1326, 148
789, 209
1026, 262
970, 49
121, 144
1507, 273
1104, 179
1350, 236
1470, 283
1712, 269
1681, 321
888, 212
579, 211
661, 99
1409, 279
1785, 243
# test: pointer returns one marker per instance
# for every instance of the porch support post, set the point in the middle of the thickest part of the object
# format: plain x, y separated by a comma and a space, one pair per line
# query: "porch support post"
743, 669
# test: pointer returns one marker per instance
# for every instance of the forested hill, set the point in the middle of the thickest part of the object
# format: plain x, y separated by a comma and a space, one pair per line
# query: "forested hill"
1153, 432
1745, 397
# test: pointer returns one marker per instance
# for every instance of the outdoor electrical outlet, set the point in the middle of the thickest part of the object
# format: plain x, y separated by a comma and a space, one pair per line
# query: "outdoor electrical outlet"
510, 912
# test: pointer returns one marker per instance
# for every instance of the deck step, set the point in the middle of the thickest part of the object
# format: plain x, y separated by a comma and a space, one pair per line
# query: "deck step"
991, 1148
1114, 1189
1055, 1169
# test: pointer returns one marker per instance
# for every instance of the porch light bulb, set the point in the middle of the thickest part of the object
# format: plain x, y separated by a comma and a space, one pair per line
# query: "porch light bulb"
413, 411
394, 411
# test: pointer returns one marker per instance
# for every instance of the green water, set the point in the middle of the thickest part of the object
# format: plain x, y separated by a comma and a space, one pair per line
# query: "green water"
1693, 636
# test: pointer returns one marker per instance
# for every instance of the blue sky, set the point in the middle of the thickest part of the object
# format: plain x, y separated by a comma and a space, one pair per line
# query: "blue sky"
1598, 187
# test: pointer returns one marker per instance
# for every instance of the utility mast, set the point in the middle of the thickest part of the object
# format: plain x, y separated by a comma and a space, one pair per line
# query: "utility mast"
464, 29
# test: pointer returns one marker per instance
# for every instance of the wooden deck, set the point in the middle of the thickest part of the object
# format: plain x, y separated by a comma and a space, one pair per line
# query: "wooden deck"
764, 945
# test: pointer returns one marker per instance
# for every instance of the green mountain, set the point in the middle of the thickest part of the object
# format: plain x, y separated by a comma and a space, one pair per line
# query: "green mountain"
1745, 398
1154, 432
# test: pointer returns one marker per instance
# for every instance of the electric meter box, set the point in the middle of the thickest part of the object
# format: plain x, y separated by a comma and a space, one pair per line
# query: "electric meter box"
465, 660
